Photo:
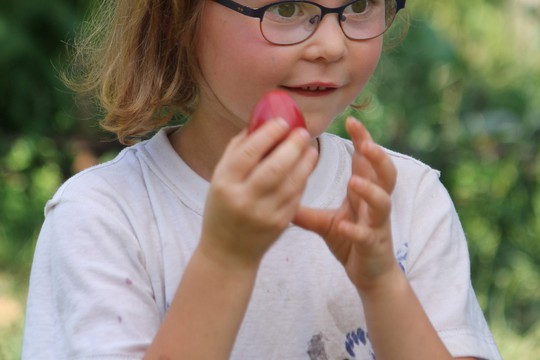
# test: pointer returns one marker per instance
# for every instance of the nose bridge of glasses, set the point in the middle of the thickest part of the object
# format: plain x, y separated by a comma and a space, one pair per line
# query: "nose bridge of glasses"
322, 12
332, 26
328, 11
338, 11
318, 12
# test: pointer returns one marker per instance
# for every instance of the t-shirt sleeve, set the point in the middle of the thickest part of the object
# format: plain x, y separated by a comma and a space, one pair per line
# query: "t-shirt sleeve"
90, 295
438, 269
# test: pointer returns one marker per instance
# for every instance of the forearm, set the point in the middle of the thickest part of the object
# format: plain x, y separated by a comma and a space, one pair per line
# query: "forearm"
210, 304
398, 325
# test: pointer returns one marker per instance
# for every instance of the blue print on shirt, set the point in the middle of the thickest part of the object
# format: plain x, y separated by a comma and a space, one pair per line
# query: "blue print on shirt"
356, 340
401, 256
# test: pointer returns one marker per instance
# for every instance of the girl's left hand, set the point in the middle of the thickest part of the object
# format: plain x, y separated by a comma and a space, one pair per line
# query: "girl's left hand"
359, 232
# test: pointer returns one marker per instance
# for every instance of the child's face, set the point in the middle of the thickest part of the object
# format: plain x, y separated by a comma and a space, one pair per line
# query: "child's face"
239, 66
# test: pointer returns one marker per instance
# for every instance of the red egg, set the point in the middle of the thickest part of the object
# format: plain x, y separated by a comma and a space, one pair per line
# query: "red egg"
276, 104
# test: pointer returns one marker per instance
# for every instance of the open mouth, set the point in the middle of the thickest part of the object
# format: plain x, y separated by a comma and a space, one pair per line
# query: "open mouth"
311, 90
314, 88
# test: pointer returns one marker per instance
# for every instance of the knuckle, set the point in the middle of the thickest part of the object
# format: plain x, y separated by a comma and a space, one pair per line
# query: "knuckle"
278, 223
249, 151
227, 194
277, 169
273, 221
220, 188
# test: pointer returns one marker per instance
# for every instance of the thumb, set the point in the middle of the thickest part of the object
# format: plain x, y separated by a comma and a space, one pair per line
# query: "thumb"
316, 220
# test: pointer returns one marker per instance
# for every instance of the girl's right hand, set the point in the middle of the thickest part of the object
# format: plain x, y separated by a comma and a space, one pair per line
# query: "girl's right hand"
255, 193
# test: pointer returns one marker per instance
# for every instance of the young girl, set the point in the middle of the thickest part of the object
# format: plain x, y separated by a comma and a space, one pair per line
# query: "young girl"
206, 242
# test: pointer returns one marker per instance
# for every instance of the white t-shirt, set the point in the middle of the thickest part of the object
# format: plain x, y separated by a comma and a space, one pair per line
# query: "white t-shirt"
117, 237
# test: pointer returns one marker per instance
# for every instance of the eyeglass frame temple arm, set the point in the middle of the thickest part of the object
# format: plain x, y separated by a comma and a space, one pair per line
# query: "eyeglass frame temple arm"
233, 5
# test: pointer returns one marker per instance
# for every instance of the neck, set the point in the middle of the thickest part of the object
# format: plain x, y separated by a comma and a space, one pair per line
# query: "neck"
201, 143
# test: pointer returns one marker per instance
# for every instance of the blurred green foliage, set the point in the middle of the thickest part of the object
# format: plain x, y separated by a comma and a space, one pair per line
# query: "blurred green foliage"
41, 129
461, 93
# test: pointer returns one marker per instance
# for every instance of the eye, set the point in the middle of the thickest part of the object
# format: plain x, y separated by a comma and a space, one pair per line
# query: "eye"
285, 10
358, 7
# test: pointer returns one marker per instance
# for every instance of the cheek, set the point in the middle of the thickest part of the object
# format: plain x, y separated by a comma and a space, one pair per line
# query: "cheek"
230, 45
368, 56
235, 61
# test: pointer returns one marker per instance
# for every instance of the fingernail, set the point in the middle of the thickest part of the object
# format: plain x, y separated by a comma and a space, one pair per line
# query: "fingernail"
282, 123
304, 133
357, 180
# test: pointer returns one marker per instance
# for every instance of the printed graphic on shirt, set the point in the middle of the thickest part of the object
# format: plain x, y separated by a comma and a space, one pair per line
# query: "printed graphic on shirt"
357, 346
357, 342
401, 256
316, 350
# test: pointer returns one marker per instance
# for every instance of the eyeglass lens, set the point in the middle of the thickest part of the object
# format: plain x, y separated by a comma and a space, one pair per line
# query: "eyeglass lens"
292, 22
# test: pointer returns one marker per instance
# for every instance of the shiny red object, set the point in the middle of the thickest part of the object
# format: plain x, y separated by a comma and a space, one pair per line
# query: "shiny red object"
276, 104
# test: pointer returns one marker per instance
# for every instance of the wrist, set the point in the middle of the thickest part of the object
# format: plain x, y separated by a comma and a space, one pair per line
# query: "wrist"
390, 283
225, 262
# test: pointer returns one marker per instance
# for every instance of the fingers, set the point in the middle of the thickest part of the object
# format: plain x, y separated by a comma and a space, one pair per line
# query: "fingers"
383, 167
268, 169
288, 165
357, 131
317, 220
373, 179
378, 201
370, 160
245, 152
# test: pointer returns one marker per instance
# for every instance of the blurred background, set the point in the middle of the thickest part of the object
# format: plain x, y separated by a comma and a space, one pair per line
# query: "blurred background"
461, 92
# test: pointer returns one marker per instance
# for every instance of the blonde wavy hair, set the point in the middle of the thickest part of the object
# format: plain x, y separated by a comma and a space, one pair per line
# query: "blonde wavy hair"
138, 58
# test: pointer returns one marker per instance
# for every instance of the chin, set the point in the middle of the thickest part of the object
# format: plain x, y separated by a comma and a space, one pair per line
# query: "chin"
317, 126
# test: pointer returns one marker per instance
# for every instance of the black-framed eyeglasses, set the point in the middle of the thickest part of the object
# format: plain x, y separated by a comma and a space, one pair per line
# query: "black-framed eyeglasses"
291, 22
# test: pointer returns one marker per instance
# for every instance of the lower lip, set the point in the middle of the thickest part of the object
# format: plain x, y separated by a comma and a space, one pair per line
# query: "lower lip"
316, 93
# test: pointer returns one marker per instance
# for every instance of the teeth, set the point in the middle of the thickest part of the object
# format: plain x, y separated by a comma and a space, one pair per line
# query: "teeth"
314, 88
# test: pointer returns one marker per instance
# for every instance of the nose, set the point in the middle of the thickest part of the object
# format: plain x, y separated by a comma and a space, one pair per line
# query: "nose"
328, 43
